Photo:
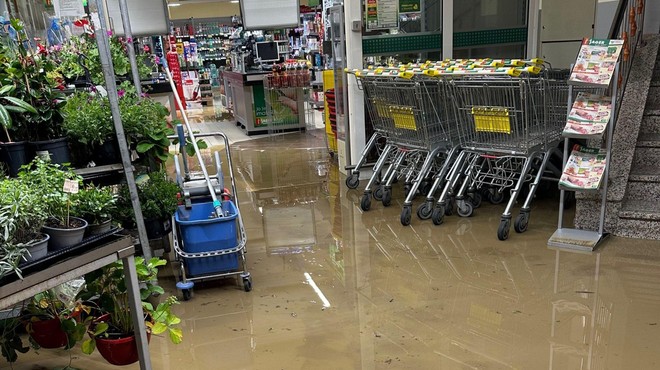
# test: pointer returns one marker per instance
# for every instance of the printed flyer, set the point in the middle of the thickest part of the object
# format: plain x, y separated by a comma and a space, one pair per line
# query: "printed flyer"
596, 61
589, 116
584, 169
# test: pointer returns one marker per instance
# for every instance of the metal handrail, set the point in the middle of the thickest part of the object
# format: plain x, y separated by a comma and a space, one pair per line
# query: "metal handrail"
628, 24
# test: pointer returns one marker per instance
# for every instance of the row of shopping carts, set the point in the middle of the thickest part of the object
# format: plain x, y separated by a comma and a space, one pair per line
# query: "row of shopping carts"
457, 131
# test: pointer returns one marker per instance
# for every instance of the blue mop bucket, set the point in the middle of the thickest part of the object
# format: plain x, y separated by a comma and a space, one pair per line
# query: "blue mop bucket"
201, 233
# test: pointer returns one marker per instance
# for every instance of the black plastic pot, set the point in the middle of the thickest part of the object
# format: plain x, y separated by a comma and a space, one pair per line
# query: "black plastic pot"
107, 153
57, 149
157, 228
14, 155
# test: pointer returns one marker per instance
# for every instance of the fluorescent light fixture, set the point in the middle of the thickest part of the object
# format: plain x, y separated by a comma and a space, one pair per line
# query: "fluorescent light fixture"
173, 4
234, 1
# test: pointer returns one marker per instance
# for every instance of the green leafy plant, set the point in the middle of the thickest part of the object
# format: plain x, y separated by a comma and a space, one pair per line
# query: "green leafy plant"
87, 118
15, 105
11, 343
22, 214
190, 149
47, 180
68, 58
108, 286
95, 204
158, 199
49, 305
24, 74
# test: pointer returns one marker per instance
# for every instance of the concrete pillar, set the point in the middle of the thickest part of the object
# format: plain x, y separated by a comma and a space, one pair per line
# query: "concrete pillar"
533, 29
356, 133
447, 29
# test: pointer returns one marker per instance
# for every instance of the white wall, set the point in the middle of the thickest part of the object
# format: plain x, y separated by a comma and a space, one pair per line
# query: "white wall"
652, 17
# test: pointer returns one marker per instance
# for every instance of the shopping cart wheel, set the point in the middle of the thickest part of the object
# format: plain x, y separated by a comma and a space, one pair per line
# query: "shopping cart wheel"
425, 210
406, 215
503, 230
495, 197
522, 221
365, 202
387, 197
475, 199
438, 215
353, 181
465, 208
378, 193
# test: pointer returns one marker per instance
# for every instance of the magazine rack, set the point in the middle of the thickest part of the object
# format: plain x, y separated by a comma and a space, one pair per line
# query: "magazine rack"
586, 169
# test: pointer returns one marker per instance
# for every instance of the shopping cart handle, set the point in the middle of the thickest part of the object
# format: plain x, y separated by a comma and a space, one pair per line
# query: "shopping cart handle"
533, 70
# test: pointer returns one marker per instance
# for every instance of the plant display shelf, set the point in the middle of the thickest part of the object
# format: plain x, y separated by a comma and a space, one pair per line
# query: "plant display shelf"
121, 249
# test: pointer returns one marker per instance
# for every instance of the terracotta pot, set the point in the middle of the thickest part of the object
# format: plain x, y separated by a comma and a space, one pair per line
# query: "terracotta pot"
119, 351
48, 333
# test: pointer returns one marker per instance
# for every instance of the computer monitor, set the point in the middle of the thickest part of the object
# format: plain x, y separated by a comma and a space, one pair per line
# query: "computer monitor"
267, 51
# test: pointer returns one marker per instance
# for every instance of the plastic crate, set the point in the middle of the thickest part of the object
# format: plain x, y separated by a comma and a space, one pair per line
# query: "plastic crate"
201, 233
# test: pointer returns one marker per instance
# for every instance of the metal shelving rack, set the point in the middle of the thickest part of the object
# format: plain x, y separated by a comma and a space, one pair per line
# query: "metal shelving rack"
122, 249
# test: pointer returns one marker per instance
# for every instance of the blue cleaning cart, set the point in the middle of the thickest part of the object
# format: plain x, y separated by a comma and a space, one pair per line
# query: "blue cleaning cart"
208, 245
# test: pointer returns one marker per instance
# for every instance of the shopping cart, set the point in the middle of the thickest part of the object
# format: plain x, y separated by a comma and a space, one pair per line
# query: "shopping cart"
408, 109
207, 247
380, 120
508, 130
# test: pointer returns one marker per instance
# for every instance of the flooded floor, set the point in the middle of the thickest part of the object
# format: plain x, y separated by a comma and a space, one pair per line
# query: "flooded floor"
338, 288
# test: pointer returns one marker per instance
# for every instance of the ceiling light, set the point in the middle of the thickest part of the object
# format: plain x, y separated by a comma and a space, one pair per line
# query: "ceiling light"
173, 4
234, 1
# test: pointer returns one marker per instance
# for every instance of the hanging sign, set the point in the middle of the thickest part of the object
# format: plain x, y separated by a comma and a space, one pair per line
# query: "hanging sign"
382, 14
372, 14
69, 8
409, 6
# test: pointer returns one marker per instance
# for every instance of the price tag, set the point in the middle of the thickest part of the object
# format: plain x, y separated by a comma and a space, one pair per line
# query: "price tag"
70, 186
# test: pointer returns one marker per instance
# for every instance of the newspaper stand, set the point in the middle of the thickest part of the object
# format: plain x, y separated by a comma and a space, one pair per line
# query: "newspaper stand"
599, 78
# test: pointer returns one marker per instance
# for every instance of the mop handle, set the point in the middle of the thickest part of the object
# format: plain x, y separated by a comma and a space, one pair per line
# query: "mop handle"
217, 205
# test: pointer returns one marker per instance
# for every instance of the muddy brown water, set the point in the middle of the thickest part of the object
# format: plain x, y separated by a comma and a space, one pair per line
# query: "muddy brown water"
418, 297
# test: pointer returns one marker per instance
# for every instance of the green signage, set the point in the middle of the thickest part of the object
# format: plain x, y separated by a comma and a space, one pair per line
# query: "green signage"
409, 6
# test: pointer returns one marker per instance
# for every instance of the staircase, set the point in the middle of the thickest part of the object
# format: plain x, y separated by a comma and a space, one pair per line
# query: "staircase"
640, 212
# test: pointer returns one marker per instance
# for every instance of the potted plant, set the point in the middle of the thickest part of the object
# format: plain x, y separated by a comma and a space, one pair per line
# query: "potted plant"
11, 343
13, 154
158, 200
88, 121
113, 333
95, 205
22, 215
48, 179
29, 74
53, 318
72, 66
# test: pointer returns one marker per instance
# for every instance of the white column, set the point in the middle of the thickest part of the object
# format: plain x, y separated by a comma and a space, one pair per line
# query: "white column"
447, 29
356, 134
533, 33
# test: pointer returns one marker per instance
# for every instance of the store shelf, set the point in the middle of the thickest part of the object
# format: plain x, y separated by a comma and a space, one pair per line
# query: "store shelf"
121, 248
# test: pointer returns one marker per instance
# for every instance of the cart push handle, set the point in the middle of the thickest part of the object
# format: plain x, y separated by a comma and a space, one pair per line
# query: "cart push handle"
217, 204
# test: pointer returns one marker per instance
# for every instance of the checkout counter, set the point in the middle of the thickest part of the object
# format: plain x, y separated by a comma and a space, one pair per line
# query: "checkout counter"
250, 97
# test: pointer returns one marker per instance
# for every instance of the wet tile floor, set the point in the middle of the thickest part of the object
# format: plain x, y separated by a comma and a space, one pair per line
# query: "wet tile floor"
418, 297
